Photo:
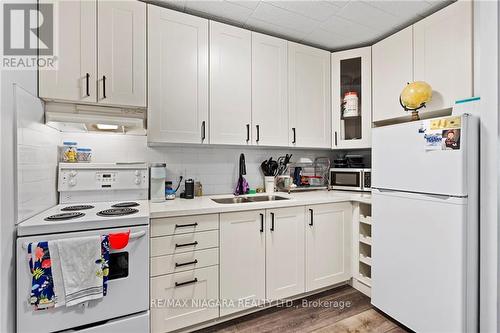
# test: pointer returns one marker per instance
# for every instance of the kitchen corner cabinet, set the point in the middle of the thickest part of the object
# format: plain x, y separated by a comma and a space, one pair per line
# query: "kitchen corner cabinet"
352, 98
269, 91
443, 48
309, 97
242, 258
328, 231
76, 73
230, 85
392, 69
121, 52
285, 252
116, 32
177, 77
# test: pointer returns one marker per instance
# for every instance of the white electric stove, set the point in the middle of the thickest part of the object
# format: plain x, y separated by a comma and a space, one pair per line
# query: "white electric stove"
95, 199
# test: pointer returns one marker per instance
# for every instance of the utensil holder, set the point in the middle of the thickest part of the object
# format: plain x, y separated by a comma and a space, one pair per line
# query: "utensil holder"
269, 184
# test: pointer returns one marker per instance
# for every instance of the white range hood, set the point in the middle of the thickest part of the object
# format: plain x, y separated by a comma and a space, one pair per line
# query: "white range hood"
67, 117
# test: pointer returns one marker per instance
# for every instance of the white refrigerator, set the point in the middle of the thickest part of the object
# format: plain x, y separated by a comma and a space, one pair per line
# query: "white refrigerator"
425, 223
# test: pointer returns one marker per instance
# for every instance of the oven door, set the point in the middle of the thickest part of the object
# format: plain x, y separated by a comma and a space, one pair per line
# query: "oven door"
128, 285
350, 179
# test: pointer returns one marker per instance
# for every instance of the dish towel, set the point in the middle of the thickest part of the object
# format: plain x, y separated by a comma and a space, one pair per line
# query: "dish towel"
81, 268
42, 294
105, 263
57, 274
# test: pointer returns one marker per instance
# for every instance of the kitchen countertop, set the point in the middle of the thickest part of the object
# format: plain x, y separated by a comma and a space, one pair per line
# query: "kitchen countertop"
205, 205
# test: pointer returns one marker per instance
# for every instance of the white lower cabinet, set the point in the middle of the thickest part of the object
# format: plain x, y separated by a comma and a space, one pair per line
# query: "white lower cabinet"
184, 271
254, 257
242, 260
284, 252
328, 244
175, 298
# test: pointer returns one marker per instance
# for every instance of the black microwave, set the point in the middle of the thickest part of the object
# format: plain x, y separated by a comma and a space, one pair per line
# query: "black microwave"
350, 179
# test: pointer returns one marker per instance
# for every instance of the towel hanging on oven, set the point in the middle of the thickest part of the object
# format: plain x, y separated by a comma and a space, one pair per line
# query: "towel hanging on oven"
81, 269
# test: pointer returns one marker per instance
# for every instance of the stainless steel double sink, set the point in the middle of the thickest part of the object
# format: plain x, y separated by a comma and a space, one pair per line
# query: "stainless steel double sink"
258, 198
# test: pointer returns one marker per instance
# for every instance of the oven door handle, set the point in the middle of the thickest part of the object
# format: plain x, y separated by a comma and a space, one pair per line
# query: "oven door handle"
134, 235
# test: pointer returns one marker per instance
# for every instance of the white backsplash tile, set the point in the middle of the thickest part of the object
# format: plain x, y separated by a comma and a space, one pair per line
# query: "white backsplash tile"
215, 167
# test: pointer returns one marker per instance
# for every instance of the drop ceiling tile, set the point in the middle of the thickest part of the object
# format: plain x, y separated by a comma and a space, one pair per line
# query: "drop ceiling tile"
284, 18
349, 29
328, 40
223, 10
317, 10
365, 14
402, 8
337, 3
273, 29
250, 4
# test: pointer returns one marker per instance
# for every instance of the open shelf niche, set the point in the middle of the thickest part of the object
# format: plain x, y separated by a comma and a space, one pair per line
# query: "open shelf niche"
362, 248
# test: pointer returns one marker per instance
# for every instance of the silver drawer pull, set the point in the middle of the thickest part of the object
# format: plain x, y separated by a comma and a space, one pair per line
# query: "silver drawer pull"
187, 244
186, 263
178, 284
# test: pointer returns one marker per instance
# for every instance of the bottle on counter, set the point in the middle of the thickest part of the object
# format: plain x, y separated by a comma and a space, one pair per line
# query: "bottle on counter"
198, 189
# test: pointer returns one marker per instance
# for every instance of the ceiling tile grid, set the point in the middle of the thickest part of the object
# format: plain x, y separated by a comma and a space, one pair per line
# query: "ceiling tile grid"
328, 24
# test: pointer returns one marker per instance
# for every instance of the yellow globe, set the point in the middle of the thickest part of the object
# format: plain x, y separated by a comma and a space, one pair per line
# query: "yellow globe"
415, 94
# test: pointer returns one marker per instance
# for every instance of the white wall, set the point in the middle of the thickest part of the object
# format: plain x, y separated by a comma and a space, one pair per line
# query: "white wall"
486, 86
36, 156
10, 82
215, 167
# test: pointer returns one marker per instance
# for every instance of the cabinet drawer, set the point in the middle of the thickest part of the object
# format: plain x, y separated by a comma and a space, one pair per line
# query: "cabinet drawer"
184, 261
198, 285
184, 243
183, 224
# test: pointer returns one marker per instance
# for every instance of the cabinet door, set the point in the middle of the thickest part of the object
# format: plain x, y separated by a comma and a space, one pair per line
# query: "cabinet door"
284, 252
242, 258
230, 84
269, 91
392, 69
75, 77
443, 54
352, 102
178, 77
309, 97
328, 244
121, 46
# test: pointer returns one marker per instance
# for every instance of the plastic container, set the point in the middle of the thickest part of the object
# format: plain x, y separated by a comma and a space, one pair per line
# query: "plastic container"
351, 104
84, 155
67, 152
269, 184
158, 173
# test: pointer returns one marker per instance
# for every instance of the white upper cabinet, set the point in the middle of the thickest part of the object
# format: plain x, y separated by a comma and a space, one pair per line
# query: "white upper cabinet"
328, 244
285, 252
309, 97
443, 50
75, 77
269, 91
121, 53
230, 84
177, 77
242, 258
392, 60
352, 98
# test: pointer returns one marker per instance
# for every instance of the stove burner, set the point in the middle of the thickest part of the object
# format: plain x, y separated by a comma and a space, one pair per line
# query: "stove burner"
64, 216
117, 212
125, 204
76, 207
